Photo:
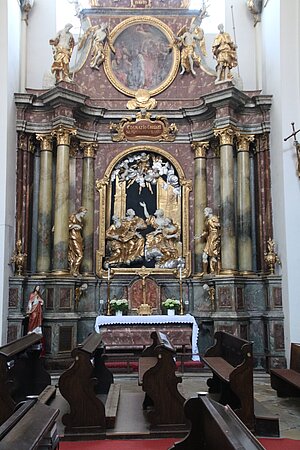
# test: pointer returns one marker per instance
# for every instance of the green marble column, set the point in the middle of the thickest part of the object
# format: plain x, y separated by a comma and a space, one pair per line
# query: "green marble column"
61, 214
45, 204
88, 189
244, 205
200, 200
227, 210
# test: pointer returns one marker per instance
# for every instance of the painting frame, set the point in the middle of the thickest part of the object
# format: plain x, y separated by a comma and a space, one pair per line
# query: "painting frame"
139, 42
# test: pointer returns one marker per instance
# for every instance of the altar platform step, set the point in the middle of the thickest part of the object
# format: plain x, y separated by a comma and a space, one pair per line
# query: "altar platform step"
129, 364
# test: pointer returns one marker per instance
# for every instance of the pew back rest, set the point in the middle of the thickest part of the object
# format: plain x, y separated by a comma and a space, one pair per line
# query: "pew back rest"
91, 343
231, 348
295, 357
9, 351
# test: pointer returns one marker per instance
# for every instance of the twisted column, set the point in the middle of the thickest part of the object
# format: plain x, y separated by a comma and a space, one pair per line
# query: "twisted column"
88, 196
45, 204
244, 204
227, 213
200, 200
61, 215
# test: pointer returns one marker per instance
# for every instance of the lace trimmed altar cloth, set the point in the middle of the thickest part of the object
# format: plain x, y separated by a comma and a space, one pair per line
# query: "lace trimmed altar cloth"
102, 321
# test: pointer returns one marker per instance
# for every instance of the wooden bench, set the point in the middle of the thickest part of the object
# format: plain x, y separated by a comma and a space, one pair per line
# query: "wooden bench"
231, 362
31, 427
215, 427
160, 383
80, 384
287, 381
22, 373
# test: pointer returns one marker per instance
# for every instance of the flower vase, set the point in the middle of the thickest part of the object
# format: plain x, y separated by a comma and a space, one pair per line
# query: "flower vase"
119, 313
171, 312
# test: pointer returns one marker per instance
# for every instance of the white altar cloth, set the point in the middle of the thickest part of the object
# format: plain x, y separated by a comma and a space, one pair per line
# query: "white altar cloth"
102, 321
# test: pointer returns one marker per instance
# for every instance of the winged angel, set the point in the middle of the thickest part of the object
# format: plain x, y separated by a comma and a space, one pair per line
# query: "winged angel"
99, 34
190, 40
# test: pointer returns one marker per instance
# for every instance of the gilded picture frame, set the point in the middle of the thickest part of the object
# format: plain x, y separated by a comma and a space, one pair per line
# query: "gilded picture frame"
144, 56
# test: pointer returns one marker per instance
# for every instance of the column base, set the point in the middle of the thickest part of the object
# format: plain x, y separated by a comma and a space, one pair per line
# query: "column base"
62, 272
229, 272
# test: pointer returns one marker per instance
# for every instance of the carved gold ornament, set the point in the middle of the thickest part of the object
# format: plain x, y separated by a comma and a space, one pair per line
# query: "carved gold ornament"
142, 100
143, 127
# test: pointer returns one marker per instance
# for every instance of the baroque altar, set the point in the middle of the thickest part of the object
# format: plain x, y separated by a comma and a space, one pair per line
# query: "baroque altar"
144, 173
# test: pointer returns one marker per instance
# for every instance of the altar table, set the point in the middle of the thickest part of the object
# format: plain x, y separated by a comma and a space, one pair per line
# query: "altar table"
142, 326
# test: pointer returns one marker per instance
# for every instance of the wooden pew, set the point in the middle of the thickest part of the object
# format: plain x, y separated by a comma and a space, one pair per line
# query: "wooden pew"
287, 381
80, 384
215, 427
231, 362
31, 427
21, 372
157, 377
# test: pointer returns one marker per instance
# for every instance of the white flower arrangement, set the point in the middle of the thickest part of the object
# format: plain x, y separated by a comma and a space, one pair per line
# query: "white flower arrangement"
171, 303
119, 304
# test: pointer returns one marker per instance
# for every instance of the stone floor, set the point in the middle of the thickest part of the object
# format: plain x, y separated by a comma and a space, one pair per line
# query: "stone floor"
288, 409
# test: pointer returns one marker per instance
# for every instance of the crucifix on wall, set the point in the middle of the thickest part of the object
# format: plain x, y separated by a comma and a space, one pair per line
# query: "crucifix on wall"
297, 146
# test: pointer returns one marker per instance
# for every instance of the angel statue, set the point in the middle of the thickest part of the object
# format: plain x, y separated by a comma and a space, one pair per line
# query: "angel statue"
192, 43
98, 35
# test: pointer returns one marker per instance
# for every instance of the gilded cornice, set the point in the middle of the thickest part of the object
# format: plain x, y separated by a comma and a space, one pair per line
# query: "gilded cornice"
225, 135
46, 142
200, 149
63, 135
243, 142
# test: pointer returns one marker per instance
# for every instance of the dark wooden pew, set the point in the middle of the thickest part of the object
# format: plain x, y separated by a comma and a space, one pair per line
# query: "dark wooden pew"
80, 384
231, 362
31, 427
158, 379
215, 427
22, 372
287, 381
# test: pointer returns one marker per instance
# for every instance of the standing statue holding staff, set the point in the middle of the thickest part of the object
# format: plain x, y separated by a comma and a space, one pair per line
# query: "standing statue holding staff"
224, 51
35, 311
212, 249
62, 45
75, 252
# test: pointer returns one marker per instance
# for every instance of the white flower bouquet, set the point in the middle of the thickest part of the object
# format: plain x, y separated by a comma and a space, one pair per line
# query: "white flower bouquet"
171, 303
119, 305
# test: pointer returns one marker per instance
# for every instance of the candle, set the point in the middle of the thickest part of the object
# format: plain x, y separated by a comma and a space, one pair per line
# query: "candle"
180, 273
108, 274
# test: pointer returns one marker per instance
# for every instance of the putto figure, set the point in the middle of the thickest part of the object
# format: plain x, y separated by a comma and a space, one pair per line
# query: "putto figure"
212, 250
75, 252
63, 45
224, 51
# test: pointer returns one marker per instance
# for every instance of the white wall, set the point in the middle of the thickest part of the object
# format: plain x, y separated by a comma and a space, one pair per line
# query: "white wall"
281, 47
41, 28
9, 82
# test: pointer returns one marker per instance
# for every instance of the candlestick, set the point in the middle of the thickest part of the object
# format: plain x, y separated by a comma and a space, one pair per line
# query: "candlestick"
108, 312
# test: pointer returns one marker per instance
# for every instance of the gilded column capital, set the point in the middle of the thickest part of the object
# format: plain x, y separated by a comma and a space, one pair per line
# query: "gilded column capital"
225, 135
200, 149
63, 135
88, 149
243, 142
46, 141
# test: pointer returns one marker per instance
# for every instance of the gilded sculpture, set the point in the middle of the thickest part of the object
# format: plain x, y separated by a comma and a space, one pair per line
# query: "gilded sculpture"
100, 36
75, 251
142, 100
162, 244
224, 51
62, 46
271, 257
211, 257
19, 258
191, 42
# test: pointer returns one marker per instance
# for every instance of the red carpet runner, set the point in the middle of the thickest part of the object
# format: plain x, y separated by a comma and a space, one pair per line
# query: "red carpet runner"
162, 444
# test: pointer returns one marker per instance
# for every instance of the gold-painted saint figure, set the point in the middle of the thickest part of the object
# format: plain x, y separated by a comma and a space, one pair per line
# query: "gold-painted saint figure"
75, 251
212, 251
62, 45
224, 51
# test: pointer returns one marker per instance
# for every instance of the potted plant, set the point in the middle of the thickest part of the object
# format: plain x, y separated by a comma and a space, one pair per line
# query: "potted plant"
171, 305
119, 306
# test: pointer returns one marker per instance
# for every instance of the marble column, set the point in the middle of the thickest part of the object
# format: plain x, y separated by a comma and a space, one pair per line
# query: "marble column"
227, 210
45, 204
88, 189
200, 200
61, 213
244, 204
